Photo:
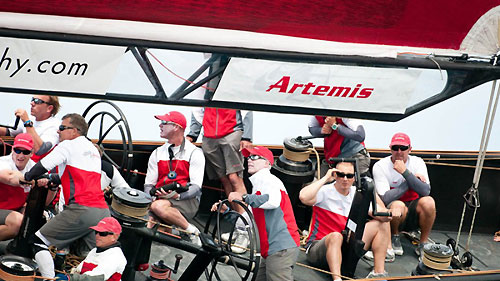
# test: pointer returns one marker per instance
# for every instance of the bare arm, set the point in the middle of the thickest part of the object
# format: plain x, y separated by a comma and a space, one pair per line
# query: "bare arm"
308, 194
10, 177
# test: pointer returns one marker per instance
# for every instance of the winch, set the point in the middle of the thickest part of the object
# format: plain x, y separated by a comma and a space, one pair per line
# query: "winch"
294, 168
130, 203
13, 268
436, 259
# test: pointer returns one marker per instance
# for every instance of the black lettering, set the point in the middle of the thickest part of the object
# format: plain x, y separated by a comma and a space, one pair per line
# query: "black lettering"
78, 66
62, 68
5, 58
19, 66
40, 66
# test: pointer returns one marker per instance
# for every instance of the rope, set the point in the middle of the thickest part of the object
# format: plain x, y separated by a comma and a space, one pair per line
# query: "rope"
431, 57
323, 271
488, 124
128, 210
176, 75
317, 161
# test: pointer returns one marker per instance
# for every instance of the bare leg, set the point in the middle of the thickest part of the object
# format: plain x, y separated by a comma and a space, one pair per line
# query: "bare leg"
396, 221
333, 253
377, 236
233, 182
426, 210
164, 210
11, 227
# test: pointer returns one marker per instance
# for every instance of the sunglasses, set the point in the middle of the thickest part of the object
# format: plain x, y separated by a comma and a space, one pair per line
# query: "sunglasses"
19, 151
255, 157
400, 147
103, 233
38, 101
163, 122
62, 127
341, 175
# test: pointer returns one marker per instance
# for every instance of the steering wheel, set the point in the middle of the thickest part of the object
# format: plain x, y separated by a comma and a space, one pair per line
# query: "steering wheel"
108, 123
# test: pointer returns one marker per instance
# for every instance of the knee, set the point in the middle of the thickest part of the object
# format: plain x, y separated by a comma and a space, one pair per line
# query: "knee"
158, 206
334, 239
14, 221
427, 204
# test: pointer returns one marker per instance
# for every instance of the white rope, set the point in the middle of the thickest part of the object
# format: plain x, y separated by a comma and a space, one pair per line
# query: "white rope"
488, 124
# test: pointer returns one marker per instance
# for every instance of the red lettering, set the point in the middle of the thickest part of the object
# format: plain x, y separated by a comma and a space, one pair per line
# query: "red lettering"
321, 90
353, 93
294, 87
366, 92
339, 90
282, 85
307, 87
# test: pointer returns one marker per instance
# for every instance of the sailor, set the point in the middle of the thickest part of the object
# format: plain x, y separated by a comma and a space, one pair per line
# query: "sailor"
403, 184
181, 162
331, 198
13, 200
106, 261
40, 124
273, 213
344, 138
79, 168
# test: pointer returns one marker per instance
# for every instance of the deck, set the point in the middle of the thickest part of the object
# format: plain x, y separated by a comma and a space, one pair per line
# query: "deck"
485, 251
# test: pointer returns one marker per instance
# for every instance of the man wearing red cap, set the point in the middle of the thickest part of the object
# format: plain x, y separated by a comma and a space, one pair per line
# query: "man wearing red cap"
13, 198
40, 124
106, 262
177, 161
273, 213
403, 184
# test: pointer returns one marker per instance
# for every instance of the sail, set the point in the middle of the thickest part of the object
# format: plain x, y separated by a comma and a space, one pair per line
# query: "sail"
355, 27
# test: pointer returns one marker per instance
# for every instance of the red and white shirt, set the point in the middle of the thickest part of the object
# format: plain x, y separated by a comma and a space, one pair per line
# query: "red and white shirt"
330, 212
110, 263
188, 164
13, 197
79, 167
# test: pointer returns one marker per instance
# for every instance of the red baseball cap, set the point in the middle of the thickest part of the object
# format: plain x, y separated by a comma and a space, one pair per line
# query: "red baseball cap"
23, 140
173, 116
259, 150
108, 224
400, 139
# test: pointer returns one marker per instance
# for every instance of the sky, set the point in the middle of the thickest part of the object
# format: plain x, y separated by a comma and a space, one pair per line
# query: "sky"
455, 124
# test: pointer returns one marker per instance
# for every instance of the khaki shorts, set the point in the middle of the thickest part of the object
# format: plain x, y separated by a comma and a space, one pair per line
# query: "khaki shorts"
316, 254
72, 224
223, 156
188, 207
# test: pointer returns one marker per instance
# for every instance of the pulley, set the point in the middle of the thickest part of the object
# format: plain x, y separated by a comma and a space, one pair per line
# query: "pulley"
128, 203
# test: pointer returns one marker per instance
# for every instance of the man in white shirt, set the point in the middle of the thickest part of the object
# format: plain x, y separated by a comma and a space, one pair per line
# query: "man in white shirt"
40, 124
403, 184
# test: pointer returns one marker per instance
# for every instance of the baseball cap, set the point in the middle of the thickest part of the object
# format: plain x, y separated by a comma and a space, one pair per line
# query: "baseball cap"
108, 224
259, 150
173, 116
400, 139
23, 140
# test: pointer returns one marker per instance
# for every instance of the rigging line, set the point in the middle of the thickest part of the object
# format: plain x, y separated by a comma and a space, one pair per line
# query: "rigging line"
176, 75
431, 57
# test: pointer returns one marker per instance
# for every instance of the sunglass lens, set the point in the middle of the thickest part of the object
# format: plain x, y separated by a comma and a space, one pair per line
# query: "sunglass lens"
400, 147
19, 151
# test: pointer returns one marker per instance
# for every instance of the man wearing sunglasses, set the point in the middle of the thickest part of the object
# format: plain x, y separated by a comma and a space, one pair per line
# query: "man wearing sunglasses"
79, 168
331, 198
273, 213
104, 262
177, 161
13, 198
403, 184
40, 124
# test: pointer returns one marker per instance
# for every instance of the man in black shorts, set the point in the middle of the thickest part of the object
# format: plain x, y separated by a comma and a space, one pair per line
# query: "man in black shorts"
403, 184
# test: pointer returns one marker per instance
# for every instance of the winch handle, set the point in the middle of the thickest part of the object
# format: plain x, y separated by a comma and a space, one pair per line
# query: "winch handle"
16, 123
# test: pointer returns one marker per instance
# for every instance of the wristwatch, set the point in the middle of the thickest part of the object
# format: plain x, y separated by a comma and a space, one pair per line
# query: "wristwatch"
244, 197
335, 126
28, 123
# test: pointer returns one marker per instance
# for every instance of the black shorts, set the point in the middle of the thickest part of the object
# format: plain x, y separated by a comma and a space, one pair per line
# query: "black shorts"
411, 221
